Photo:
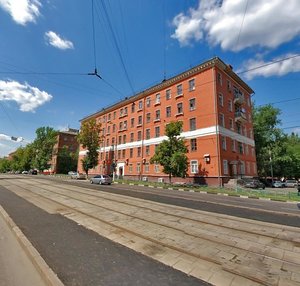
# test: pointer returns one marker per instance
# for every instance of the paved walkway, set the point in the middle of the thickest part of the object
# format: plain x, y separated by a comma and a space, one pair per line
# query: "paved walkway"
82, 257
15, 266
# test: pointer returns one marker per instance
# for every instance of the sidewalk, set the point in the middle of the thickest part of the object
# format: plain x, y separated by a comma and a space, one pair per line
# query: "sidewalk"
16, 267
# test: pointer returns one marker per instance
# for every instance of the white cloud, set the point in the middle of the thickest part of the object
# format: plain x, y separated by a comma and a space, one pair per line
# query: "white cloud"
57, 41
26, 96
267, 23
22, 11
276, 67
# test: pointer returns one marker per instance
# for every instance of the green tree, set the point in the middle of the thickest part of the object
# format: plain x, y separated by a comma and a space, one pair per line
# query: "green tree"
89, 137
66, 160
46, 137
171, 153
5, 165
274, 150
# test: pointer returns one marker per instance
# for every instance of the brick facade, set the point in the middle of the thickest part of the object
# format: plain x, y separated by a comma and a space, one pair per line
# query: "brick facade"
214, 105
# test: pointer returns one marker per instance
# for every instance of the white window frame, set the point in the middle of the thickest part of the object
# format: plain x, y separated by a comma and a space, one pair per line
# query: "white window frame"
194, 166
192, 84
225, 167
157, 98
168, 94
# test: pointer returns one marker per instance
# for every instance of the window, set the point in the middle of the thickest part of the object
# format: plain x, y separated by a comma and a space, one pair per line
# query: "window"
121, 126
109, 117
223, 142
115, 113
225, 167
131, 152
113, 141
119, 153
238, 128
123, 153
131, 137
157, 115
124, 139
108, 129
139, 151
138, 167
125, 110
230, 105
147, 167
121, 112
156, 168
231, 126
191, 84
139, 135
148, 117
179, 89
193, 145
192, 124
132, 107
130, 168
140, 120
233, 146
107, 142
148, 101
228, 85
194, 166
168, 94
221, 119
157, 131
168, 111
241, 148
120, 140
147, 133
179, 108
219, 78
132, 122
140, 104
242, 168
192, 103
125, 125
246, 150
157, 98
221, 101
147, 151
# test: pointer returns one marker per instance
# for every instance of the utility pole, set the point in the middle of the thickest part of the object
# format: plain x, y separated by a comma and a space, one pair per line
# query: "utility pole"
271, 164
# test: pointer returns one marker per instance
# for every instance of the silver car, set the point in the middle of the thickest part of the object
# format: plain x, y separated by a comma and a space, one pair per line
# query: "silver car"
101, 180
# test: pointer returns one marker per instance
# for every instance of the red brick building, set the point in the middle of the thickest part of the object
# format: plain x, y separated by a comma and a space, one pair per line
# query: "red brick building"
65, 139
213, 103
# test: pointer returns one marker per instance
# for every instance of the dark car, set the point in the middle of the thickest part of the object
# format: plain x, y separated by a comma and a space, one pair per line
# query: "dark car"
253, 184
33, 172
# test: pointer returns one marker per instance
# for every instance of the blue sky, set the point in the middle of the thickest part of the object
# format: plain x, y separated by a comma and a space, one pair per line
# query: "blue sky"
47, 49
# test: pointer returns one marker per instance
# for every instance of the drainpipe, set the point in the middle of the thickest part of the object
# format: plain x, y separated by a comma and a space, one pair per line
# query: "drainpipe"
217, 126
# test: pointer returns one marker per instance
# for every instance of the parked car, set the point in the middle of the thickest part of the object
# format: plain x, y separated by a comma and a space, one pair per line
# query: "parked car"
70, 173
33, 172
278, 184
291, 183
101, 179
78, 176
25, 172
253, 184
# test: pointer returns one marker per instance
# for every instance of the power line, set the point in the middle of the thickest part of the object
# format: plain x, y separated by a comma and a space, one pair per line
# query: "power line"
94, 40
116, 45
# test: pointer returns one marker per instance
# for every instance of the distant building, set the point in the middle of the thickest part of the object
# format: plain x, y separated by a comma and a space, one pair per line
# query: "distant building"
65, 139
213, 103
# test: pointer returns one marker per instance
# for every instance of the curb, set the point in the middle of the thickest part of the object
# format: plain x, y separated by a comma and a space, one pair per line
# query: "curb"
47, 274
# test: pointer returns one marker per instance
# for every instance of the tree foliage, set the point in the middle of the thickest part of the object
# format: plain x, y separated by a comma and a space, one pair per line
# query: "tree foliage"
66, 160
274, 149
171, 153
89, 137
46, 137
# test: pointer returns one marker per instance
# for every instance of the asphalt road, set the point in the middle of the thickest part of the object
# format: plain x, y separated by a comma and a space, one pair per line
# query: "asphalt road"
261, 210
81, 257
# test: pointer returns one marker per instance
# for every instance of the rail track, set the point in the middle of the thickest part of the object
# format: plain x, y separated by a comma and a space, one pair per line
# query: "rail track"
213, 247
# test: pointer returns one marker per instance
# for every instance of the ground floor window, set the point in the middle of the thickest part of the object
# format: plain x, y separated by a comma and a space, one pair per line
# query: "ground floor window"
130, 168
194, 166
156, 168
225, 167
147, 167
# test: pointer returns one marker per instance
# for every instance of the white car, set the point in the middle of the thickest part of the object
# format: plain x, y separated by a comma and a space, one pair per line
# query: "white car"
78, 176
101, 180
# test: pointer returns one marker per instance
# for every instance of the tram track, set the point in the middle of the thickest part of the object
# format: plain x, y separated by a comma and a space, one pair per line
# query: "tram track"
207, 247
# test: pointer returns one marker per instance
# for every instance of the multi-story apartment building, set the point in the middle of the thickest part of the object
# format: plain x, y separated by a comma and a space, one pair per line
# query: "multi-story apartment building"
213, 103
65, 139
